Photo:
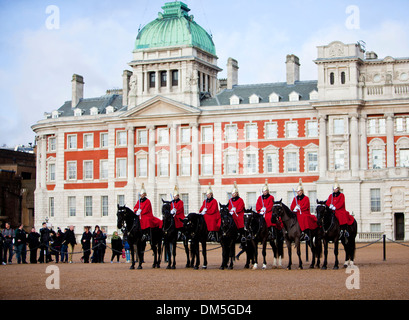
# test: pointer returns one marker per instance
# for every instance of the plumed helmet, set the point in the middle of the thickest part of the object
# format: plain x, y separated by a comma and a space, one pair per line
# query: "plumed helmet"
336, 184
176, 191
300, 187
209, 190
235, 189
143, 190
265, 187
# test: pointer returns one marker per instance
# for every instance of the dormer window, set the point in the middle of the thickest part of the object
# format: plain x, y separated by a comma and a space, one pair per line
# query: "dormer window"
314, 95
77, 112
93, 111
109, 109
294, 96
254, 98
55, 114
274, 97
235, 100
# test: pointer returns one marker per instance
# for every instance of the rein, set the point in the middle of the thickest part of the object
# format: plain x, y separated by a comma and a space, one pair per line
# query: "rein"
323, 218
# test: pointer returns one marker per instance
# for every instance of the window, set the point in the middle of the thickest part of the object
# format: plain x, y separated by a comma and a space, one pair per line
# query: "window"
377, 159
51, 172
272, 163
185, 199
163, 78
163, 165
121, 168
339, 163
93, 111
251, 163
104, 206
121, 199
312, 129
103, 169
175, 78
231, 133
88, 141
51, 207
142, 137
185, 165
52, 144
375, 200
72, 142
331, 78
375, 227
343, 78
104, 140
313, 201
399, 125
207, 164
142, 167
71, 207
72, 170
291, 129
121, 138
291, 161
271, 130
185, 135
312, 158
252, 200
404, 157
339, 126
251, 132
382, 126
372, 126
231, 164
207, 134
88, 170
163, 136
88, 206
152, 79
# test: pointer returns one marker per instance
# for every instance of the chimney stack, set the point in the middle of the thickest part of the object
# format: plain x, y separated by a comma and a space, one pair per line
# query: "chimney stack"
232, 73
77, 89
293, 69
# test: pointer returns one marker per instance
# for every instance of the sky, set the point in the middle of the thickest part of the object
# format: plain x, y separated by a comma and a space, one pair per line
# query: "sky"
44, 42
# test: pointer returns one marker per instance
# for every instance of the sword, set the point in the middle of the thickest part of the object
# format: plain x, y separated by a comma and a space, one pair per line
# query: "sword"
296, 201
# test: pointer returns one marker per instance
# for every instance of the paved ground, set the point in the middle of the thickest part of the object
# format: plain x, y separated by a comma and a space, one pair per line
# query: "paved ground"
374, 279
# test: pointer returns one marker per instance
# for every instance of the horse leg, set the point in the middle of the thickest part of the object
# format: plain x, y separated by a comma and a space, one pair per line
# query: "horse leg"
255, 264
232, 254
132, 267
318, 250
174, 253
204, 254
311, 244
224, 249
336, 244
289, 255
324, 265
168, 253
298, 245
140, 249
275, 253
264, 253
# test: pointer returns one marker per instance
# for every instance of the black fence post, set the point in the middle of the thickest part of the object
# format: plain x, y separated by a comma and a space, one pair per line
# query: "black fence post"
384, 247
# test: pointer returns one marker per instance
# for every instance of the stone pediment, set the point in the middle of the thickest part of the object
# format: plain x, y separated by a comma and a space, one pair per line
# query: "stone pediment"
159, 107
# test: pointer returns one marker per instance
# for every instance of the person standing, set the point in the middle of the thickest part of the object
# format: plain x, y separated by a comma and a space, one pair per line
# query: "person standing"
45, 237
70, 241
301, 206
8, 234
33, 244
116, 246
86, 244
210, 210
20, 242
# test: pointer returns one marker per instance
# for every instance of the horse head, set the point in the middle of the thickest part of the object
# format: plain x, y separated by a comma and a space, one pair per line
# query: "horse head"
120, 214
227, 221
322, 211
224, 209
168, 220
249, 215
278, 210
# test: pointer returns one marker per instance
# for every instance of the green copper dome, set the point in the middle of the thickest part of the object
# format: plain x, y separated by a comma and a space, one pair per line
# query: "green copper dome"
174, 27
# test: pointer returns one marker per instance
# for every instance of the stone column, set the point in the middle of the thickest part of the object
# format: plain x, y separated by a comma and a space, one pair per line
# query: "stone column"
323, 167
131, 156
390, 143
43, 161
195, 152
354, 156
363, 150
173, 155
152, 154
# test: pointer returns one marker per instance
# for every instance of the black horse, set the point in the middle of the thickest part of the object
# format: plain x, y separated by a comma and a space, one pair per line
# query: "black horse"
293, 234
170, 234
331, 232
130, 223
228, 237
256, 226
196, 230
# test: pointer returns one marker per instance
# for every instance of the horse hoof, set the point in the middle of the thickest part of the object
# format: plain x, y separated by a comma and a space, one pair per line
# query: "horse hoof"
311, 266
221, 268
246, 266
300, 268
173, 267
196, 268
132, 268
264, 267
204, 267
230, 267
335, 268
154, 266
255, 266
139, 267
288, 268
168, 267
323, 268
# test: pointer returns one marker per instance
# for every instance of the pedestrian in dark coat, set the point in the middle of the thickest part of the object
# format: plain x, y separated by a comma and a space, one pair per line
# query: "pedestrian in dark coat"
21, 244
33, 244
86, 244
116, 246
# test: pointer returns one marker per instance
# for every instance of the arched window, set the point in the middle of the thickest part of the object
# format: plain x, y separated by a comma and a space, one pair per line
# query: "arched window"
342, 77
331, 78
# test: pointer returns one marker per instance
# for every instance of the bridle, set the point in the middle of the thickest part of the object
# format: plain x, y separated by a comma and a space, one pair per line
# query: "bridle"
322, 216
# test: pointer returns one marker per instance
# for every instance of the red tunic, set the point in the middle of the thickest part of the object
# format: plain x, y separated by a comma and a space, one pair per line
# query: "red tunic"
146, 218
305, 219
212, 215
268, 204
180, 212
238, 217
343, 216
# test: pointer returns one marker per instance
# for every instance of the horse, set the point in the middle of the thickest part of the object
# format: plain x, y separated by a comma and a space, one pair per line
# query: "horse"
170, 234
331, 232
256, 226
293, 234
228, 237
130, 223
196, 230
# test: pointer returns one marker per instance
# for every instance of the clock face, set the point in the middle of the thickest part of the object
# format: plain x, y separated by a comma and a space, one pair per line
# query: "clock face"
404, 76
377, 78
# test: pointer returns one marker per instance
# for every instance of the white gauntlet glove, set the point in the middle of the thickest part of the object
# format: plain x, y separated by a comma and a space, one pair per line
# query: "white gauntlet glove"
173, 211
138, 213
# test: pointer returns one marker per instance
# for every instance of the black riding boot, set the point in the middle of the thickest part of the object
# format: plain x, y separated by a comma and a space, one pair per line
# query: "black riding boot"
304, 236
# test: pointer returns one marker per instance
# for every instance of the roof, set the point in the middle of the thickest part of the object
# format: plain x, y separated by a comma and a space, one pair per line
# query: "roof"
303, 88
174, 27
101, 103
